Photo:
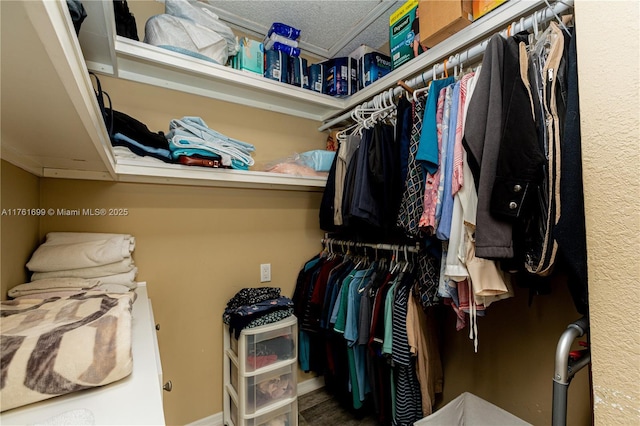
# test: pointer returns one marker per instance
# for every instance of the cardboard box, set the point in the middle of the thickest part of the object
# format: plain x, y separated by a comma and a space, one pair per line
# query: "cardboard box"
251, 56
403, 27
442, 19
482, 7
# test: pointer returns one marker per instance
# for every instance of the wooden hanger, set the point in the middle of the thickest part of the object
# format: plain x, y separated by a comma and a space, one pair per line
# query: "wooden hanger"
405, 86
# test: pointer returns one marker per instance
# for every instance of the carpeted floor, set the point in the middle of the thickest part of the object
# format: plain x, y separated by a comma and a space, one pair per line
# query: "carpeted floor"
319, 408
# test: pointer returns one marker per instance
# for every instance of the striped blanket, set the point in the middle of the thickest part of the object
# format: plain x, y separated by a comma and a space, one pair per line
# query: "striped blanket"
55, 346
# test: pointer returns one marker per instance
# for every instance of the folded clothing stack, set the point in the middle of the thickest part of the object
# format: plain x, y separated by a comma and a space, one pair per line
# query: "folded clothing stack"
80, 261
252, 307
190, 136
134, 136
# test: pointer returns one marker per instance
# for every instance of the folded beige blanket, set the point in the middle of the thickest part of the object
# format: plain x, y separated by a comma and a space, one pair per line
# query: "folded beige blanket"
52, 347
99, 289
128, 278
70, 250
52, 284
80, 237
125, 265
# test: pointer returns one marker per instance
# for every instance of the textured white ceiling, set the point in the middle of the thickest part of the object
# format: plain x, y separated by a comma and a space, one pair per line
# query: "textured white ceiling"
329, 28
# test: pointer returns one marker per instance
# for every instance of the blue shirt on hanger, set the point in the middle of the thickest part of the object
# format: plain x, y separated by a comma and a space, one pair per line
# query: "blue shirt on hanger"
428, 148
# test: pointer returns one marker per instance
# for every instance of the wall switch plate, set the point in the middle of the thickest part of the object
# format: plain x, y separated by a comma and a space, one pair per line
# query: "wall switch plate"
265, 272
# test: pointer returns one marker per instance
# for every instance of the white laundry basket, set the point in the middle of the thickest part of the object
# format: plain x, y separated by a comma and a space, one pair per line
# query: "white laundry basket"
470, 410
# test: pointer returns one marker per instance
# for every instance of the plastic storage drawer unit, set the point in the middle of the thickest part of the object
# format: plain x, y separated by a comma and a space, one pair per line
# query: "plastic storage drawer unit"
260, 375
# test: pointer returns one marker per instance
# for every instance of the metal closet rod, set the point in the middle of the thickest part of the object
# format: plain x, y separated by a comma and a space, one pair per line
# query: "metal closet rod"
390, 247
469, 55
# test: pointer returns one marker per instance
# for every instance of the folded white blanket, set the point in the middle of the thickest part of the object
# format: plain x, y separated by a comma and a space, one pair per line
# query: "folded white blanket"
125, 265
53, 284
128, 278
80, 237
68, 250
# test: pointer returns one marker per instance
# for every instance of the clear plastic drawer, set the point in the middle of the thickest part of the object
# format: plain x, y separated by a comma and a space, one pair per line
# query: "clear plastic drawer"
270, 387
284, 416
266, 345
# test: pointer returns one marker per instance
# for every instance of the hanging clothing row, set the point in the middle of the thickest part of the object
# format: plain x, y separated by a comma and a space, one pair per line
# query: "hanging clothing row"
365, 326
472, 170
483, 169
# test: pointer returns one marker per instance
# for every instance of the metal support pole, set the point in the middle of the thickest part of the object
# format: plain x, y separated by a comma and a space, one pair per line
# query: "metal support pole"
565, 369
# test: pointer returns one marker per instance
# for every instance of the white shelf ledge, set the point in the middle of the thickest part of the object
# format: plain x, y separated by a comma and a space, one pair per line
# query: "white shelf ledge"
176, 174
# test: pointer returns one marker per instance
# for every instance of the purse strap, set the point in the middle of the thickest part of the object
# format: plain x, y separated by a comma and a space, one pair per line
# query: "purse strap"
107, 112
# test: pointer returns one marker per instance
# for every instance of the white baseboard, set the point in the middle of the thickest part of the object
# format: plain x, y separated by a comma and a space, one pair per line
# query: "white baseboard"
303, 388
310, 385
212, 420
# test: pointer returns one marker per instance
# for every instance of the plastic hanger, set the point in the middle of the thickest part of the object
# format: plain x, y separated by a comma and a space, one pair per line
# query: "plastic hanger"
456, 61
393, 264
562, 25
388, 107
369, 121
363, 283
383, 107
460, 63
422, 89
536, 29
406, 260
358, 115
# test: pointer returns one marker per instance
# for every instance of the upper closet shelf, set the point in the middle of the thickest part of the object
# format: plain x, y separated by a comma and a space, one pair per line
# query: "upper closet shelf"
144, 63
108, 53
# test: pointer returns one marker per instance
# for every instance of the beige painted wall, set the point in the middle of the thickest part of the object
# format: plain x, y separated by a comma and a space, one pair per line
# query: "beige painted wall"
196, 247
610, 112
20, 190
